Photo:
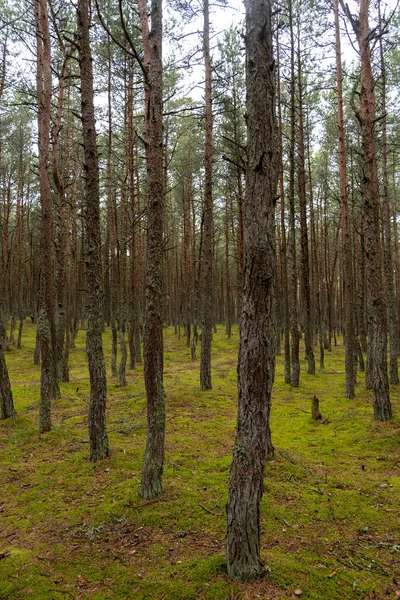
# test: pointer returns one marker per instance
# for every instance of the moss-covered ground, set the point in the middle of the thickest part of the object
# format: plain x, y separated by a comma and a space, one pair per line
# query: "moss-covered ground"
71, 529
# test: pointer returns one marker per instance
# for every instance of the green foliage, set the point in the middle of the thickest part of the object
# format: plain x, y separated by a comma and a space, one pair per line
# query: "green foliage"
69, 528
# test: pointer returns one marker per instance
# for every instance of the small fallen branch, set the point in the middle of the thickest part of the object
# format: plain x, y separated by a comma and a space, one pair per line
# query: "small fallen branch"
209, 511
287, 456
137, 506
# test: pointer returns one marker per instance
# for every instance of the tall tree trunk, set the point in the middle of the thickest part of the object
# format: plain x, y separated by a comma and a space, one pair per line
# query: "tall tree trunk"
388, 256
207, 253
187, 260
134, 332
46, 321
283, 248
99, 447
151, 484
228, 310
294, 327
377, 342
257, 334
349, 330
62, 232
315, 263
305, 260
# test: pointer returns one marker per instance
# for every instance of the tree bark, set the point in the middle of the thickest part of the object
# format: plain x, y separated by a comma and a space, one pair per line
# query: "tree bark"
151, 484
207, 253
294, 327
283, 247
388, 255
6, 399
99, 447
46, 321
257, 335
305, 260
377, 343
349, 329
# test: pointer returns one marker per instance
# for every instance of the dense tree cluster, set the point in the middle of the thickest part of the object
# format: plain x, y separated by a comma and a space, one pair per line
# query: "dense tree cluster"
129, 200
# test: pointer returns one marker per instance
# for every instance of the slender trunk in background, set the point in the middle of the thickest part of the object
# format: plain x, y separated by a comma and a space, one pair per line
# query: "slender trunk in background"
395, 235
283, 248
46, 321
315, 262
294, 327
99, 447
62, 231
388, 256
187, 259
305, 260
257, 333
228, 303
196, 282
207, 253
112, 229
134, 330
349, 308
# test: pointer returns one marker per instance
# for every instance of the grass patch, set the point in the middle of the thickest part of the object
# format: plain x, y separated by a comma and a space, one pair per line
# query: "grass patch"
71, 529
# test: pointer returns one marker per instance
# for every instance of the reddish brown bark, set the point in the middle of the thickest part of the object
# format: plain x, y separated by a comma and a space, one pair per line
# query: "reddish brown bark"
349, 330
377, 342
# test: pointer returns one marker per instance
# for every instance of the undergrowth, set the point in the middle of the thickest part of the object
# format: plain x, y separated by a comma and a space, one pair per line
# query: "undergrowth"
71, 529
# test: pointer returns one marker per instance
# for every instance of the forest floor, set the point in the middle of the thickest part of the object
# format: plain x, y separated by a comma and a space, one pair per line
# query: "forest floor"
330, 514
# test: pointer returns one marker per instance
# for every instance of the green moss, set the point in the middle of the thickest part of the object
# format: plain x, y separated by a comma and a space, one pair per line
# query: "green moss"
76, 529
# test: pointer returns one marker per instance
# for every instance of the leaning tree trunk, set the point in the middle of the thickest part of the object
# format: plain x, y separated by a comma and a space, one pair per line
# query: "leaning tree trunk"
151, 484
257, 334
99, 447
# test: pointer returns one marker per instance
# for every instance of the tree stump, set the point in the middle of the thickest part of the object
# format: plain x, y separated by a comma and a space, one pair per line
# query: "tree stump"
315, 409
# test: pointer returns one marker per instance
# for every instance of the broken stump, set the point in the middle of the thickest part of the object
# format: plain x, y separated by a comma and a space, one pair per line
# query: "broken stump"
316, 415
